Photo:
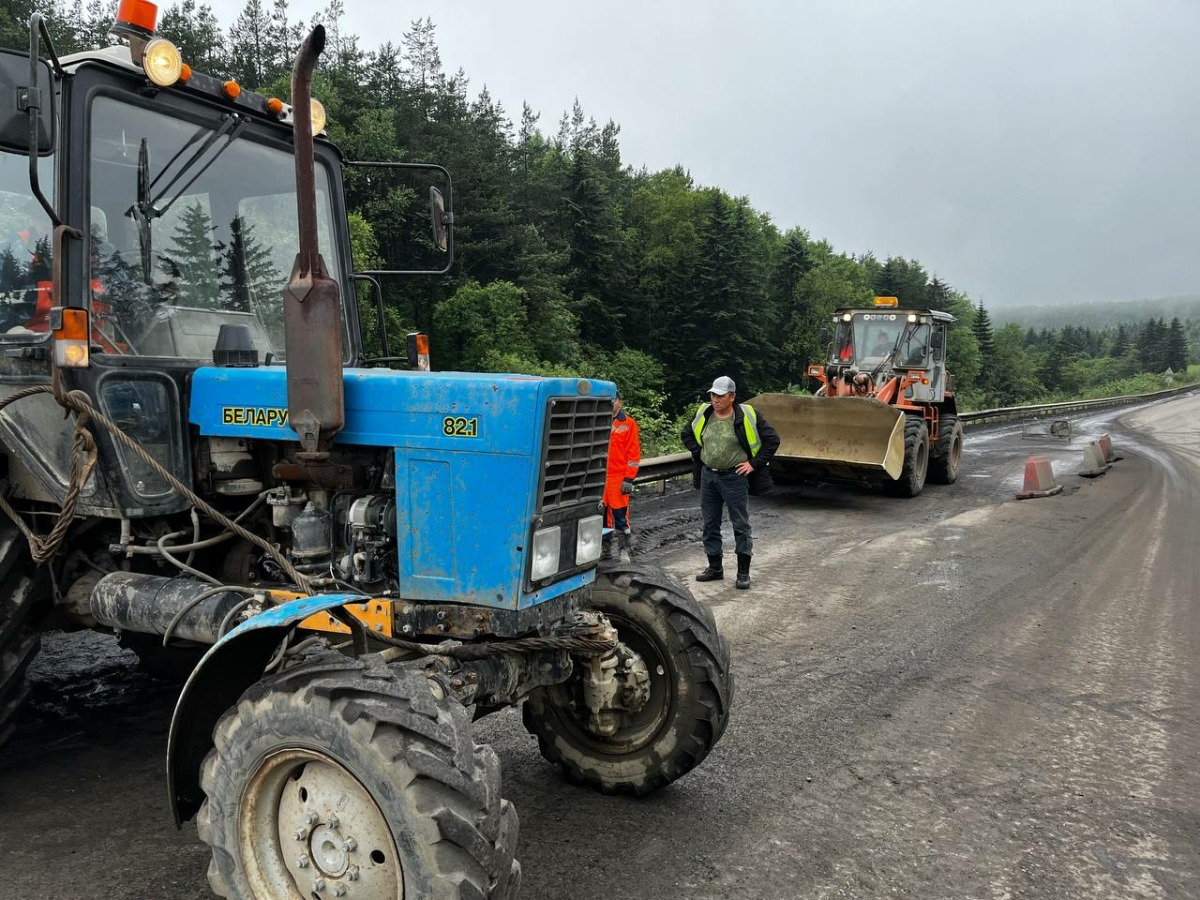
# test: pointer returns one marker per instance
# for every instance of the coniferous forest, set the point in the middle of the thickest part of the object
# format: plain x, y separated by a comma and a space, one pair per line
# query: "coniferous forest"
572, 260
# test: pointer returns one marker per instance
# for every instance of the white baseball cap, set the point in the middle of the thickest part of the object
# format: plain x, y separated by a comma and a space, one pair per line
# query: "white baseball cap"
723, 385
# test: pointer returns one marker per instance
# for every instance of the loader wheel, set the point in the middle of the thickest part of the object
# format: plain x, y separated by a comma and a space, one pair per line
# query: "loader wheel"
916, 460
345, 777
943, 465
21, 595
690, 690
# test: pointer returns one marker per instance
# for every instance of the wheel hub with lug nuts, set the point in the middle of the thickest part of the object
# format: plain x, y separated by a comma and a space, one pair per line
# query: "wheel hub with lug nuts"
300, 800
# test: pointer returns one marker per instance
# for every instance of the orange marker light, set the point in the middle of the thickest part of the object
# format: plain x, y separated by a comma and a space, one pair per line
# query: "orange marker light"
232, 89
185, 73
70, 331
73, 325
418, 351
275, 106
138, 13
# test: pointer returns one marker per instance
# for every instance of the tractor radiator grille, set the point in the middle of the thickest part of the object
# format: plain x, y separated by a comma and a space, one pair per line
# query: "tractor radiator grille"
576, 451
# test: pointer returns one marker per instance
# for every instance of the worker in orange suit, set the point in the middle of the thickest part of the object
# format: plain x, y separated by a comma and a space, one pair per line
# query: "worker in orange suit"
624, 458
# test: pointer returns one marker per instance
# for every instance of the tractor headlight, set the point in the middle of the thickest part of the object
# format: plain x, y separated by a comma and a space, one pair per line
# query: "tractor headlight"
546, 544
161, 62
587, 540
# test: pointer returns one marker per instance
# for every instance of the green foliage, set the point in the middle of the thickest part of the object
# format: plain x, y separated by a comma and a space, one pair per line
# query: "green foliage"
571, 262
480, 327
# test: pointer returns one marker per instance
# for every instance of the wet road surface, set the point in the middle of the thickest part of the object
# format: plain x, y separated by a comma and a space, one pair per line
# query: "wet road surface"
956, 696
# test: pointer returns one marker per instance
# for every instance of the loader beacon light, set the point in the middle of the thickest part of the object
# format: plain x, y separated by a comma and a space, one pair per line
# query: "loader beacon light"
231, 89
70, 332
275, 106
162, 62
893, 302
317, 110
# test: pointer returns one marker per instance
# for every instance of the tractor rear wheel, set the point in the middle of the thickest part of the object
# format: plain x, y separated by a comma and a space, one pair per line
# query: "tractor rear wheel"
943, 465
671, 637
916, 460
345, 777
21, 590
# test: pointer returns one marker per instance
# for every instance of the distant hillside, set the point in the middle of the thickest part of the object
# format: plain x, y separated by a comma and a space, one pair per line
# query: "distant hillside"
1098, 316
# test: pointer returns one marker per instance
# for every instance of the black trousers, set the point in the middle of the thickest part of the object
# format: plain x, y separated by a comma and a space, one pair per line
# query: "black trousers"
732, 491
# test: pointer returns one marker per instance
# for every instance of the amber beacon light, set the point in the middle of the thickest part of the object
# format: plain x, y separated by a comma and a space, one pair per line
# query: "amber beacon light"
136, 18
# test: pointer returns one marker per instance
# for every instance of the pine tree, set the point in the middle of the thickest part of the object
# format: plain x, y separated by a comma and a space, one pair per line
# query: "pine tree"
1177, 346
247, 271
191, 256
938, 295
592, 242
1152, 346
981, 328
250, 46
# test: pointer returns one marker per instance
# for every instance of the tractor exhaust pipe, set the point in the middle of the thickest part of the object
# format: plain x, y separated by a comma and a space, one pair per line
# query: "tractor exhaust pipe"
312, 303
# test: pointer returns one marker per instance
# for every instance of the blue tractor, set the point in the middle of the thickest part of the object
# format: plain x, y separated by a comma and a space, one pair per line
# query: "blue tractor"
350, 560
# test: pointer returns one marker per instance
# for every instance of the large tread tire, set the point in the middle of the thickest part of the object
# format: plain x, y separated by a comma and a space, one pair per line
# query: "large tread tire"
406, 741
916, 460
22, 597
689, 703
947, 455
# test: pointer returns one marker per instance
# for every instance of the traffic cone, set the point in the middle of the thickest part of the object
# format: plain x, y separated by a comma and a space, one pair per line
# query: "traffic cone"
1094, 464
1039, 479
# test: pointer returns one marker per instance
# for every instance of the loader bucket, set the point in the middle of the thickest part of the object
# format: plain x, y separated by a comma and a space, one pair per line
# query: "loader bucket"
841, 438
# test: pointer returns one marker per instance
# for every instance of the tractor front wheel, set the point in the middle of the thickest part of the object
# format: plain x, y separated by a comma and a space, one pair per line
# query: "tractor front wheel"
677, 689
916, 460
349, 778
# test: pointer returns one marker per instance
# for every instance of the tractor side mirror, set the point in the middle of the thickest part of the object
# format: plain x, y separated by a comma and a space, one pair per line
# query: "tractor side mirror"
17, 94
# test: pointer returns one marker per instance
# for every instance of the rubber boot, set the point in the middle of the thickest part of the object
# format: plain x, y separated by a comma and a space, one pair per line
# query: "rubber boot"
714, 572
608, 546
623, 544
743, 575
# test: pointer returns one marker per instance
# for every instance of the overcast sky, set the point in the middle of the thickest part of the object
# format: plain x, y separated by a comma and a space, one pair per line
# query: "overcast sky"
1027, 151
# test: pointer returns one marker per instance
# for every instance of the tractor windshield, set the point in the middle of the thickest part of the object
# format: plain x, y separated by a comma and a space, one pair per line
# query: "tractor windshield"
24, 246
192, 226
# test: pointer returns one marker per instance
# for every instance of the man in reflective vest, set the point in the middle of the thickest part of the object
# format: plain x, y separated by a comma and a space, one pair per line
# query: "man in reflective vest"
729, 442
624, 458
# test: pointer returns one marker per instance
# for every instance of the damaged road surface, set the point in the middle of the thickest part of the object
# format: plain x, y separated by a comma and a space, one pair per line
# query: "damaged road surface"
953, 696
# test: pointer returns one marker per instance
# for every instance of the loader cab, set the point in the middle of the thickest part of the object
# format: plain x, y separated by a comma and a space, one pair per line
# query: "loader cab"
884, 341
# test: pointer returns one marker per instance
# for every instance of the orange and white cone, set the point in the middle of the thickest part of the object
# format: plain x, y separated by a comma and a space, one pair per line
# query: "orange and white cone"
1039, 479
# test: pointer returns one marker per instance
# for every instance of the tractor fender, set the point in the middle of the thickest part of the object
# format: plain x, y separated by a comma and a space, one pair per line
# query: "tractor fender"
229, 667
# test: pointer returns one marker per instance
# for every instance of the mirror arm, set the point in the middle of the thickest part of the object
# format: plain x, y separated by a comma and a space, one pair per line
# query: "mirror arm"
380, 324
362, 164
33, 104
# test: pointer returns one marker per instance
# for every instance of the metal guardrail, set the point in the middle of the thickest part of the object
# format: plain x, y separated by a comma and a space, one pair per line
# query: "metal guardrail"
674, 465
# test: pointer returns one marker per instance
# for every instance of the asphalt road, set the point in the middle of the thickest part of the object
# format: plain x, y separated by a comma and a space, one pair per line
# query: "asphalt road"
957, 696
